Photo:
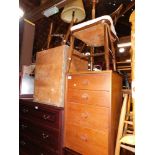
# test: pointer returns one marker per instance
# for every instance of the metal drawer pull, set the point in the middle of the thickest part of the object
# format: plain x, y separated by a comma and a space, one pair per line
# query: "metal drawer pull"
36, 107
25, 110
84, 115
24, 126
83, 138
46, 116
84, 96
85, 82
45, 135
22, 142
41, 153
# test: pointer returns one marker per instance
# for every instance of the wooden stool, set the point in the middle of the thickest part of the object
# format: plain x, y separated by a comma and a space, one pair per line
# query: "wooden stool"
126, 135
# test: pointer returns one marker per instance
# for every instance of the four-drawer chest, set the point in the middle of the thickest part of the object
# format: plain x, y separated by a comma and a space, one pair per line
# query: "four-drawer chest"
92, 108
41, 129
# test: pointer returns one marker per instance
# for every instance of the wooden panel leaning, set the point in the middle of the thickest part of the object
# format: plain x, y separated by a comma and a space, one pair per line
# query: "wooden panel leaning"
50, 73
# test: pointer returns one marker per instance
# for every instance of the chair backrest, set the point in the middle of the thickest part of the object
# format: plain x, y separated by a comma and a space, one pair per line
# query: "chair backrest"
116, 14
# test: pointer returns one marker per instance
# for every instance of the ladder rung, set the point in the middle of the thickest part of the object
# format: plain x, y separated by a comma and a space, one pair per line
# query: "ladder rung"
129, 114
128, 122
132, 149
129, 131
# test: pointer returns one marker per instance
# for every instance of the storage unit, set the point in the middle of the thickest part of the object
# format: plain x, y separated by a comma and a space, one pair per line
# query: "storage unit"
50, 73
92, 108
41, 129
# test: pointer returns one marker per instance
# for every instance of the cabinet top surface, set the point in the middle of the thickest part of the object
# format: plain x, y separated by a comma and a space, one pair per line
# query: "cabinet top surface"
93, 72
31, 102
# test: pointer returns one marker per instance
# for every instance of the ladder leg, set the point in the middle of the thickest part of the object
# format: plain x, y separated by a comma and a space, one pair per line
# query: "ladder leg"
127, 116
121, 124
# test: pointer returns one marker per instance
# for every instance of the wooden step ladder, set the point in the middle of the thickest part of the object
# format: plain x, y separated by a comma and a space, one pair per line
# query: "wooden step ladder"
126, 134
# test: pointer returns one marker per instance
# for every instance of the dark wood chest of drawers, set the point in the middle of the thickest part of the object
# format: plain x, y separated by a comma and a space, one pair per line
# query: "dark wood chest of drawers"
92, 108
41, 128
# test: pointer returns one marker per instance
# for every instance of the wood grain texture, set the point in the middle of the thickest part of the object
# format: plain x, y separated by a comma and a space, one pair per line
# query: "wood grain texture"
87, 141
91, 123
50, 73
89, 82
41, 128
89, 97
82, 115
115, 109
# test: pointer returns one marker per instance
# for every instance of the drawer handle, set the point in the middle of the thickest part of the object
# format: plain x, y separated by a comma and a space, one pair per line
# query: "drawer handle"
83, 138
24, 126
36, 107
45, 136
25, 110
84, 115
84, 96
85, 82
46, 116
22, 142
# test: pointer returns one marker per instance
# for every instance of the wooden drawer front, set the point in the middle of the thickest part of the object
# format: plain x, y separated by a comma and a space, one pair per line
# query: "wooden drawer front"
98, 98
43, 151
87, 116
34, 149
46, 136
26, 146
91, 82
86, 141
35, 111
70, 152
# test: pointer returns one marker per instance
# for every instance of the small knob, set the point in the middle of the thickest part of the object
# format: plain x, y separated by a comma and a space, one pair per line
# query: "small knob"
85, 82
46, 116
83, 138
22, 142
25, 110
45, 135
84, 115
24, 126
84, 96
36, 107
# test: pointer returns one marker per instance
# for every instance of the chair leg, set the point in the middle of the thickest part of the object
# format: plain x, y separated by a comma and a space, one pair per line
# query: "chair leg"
91, 58
121, 124
113, 56
106, 46
71, 49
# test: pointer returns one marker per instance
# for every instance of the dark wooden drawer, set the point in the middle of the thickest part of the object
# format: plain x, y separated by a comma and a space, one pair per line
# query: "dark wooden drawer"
90, 82
41, 126
70, 152
31, 148
25, 147
50, 116
47, 136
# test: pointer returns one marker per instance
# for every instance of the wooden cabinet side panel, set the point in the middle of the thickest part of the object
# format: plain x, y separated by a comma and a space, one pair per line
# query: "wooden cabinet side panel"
116, 103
